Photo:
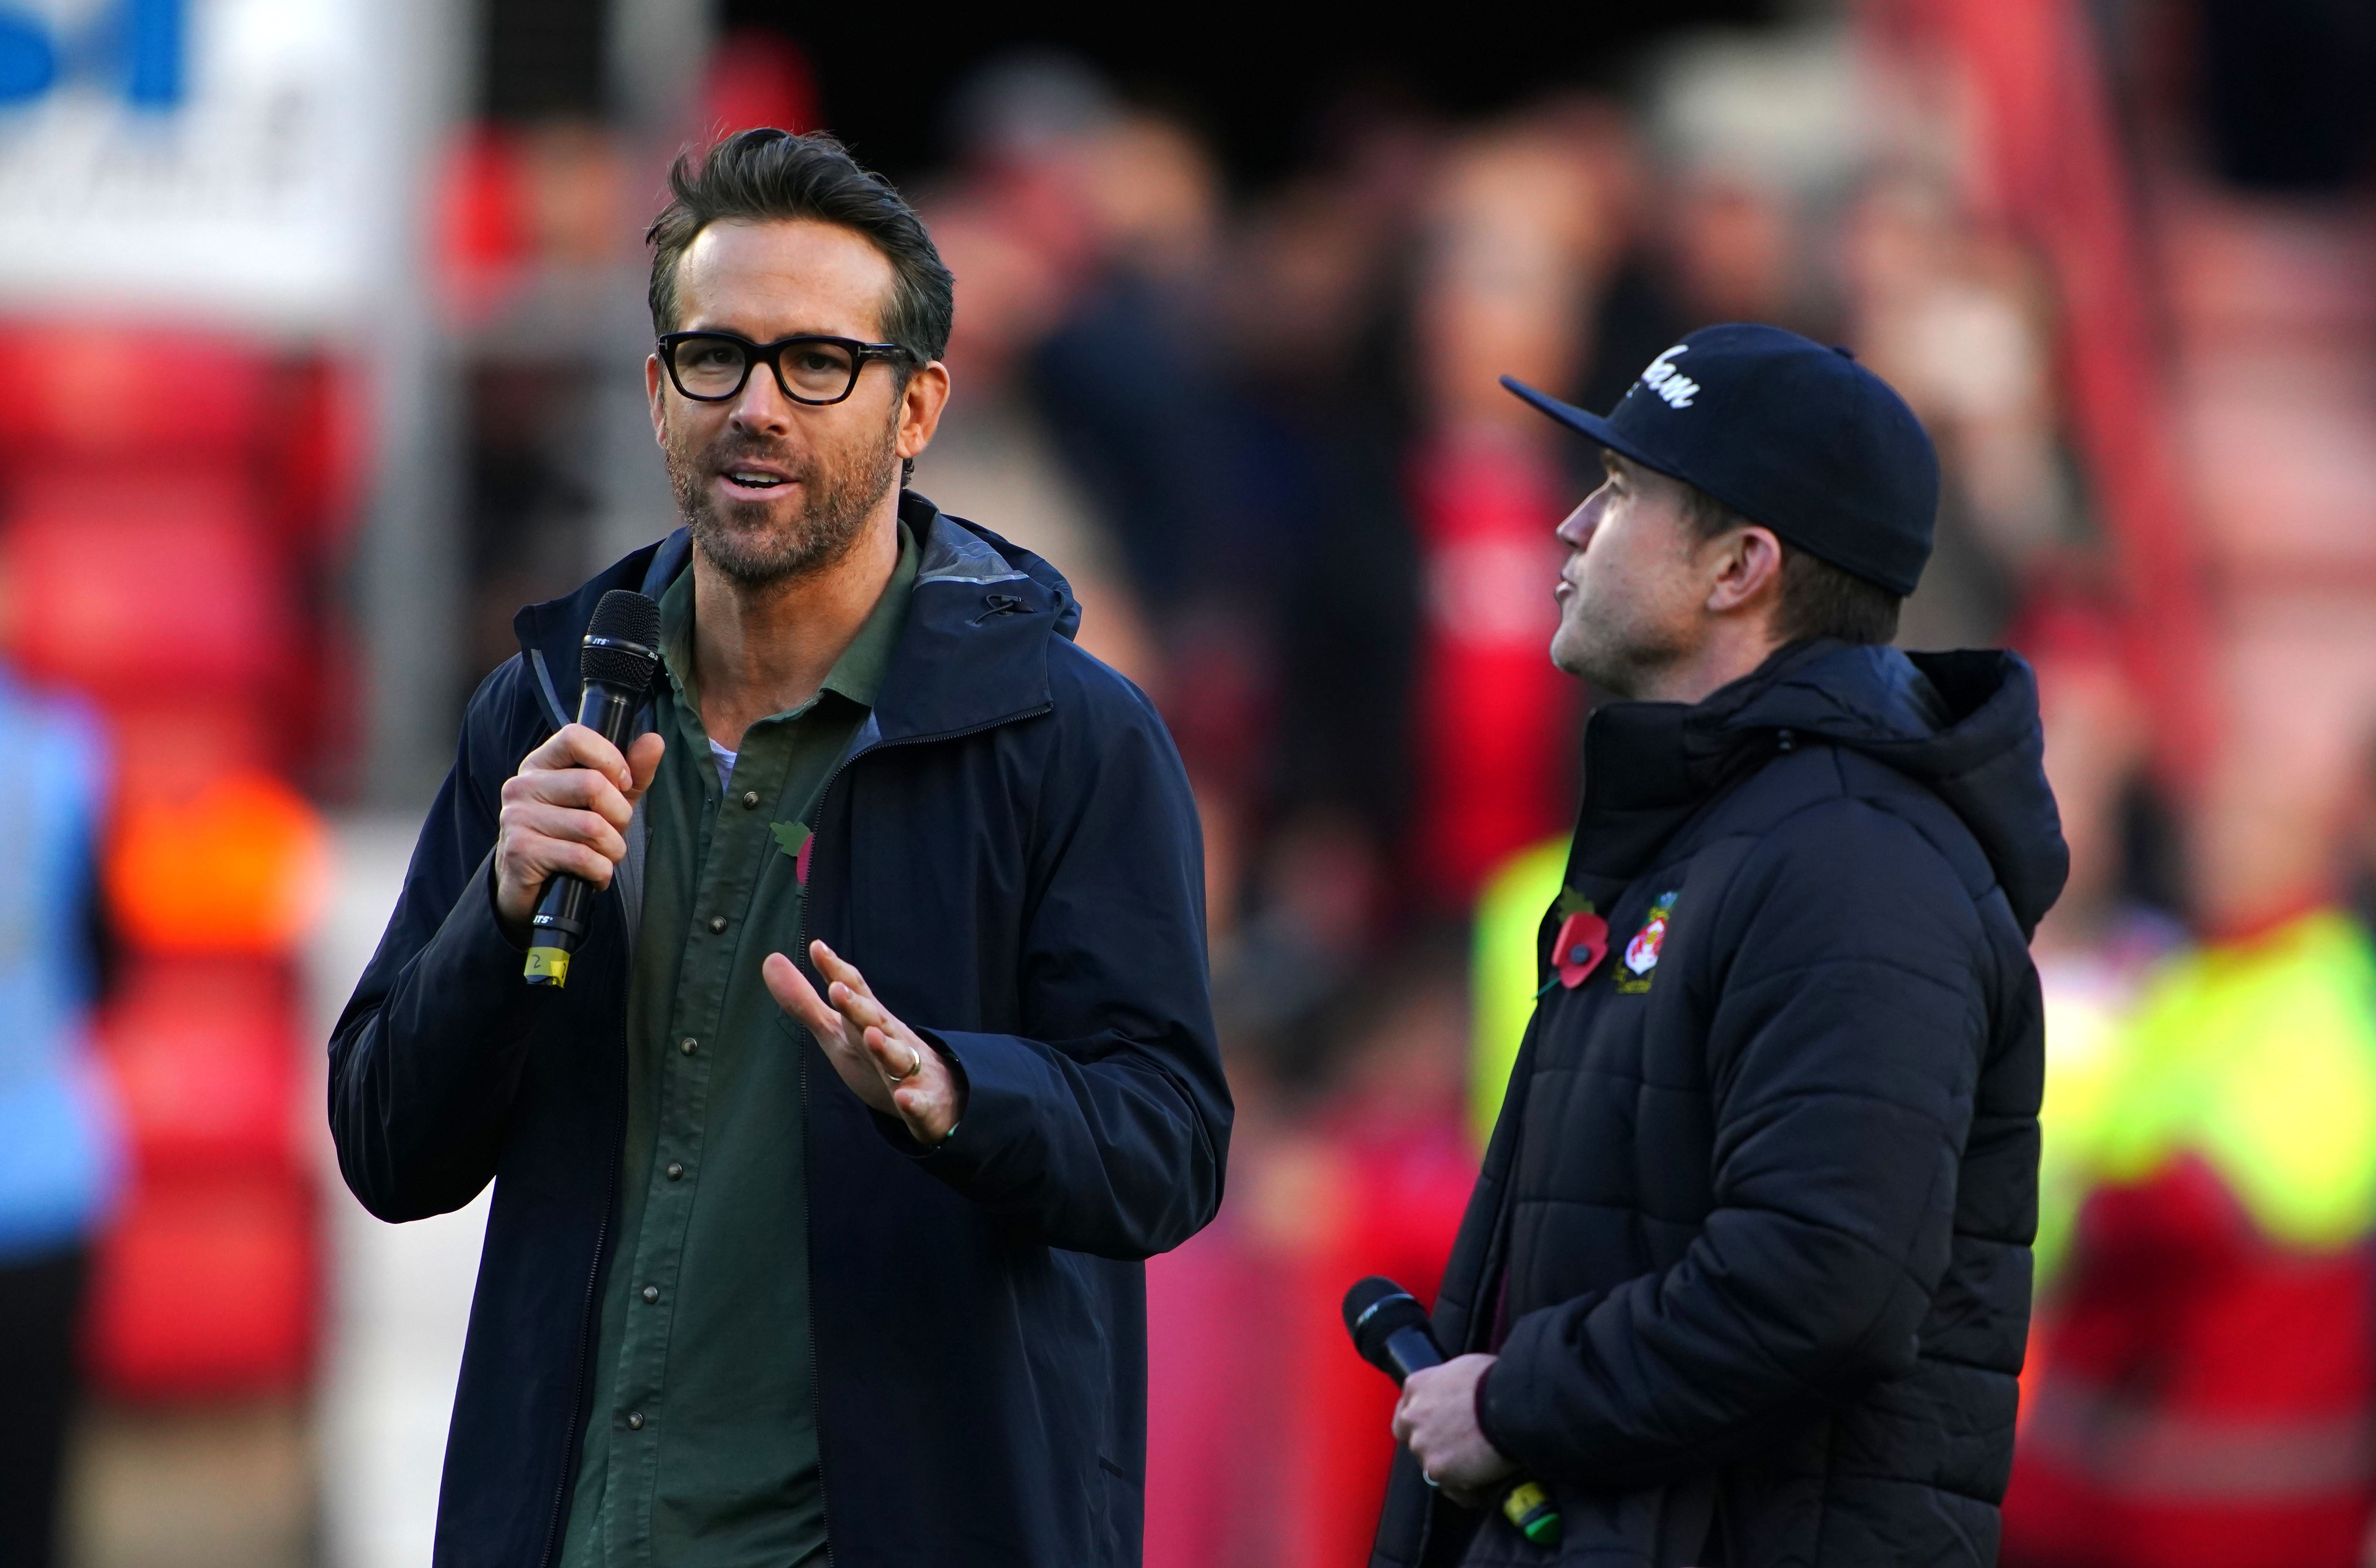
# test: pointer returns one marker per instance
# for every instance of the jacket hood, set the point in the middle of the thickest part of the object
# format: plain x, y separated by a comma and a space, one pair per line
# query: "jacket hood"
981, 604
1964, 725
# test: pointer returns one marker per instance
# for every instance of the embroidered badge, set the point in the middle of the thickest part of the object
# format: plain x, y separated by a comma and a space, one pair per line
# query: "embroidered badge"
794, 840
1642, 952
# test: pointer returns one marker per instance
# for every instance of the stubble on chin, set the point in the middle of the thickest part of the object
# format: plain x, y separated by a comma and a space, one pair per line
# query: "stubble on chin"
757, 543
1616, 660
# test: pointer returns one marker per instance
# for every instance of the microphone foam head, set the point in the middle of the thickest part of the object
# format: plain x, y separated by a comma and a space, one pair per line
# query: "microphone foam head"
1376, 1310
622, 642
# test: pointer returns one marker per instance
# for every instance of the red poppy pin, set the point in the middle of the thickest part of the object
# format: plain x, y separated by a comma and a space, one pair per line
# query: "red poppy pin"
1582, 943
796, 841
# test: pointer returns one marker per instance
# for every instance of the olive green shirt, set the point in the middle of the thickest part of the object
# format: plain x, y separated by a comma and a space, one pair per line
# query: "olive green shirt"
701, 1442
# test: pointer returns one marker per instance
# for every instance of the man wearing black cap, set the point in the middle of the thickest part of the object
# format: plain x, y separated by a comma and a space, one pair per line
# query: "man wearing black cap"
1745, 1279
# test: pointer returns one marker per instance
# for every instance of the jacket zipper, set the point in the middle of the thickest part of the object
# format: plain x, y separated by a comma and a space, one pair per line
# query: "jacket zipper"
800, 957
1496, 1265
585, 1332
808, 1220
602, 1234
586, 1315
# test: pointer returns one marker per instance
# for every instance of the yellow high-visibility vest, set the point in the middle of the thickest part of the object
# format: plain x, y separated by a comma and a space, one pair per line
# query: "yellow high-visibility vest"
1502, 975
2258, 1057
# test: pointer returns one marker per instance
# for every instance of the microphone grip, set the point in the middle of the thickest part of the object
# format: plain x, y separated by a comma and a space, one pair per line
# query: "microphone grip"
567, 910
1524, 1502
1411, 1350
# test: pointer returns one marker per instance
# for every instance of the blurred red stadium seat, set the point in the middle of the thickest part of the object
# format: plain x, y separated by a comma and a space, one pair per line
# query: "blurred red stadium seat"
312, 473
204, 1058
205, 1289
163, 495
173, 744
117, 587
127, 396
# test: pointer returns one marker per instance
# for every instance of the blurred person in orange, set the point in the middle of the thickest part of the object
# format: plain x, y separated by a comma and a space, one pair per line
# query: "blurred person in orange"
60, 1147
1746, 1276
796, 1257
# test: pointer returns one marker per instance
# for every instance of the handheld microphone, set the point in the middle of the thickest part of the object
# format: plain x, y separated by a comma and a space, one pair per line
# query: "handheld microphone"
1390, 1330
617, 661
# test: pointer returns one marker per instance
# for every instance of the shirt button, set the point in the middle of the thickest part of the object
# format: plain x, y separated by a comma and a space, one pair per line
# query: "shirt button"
634, 1421
675, 1171
688, 1045
717, 922
750, 800
651, 1293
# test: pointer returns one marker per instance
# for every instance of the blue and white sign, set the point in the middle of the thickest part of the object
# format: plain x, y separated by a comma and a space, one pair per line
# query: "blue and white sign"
232, 159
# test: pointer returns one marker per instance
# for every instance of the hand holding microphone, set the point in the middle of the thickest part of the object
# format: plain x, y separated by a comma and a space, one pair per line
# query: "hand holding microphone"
1436, 1417
564, 824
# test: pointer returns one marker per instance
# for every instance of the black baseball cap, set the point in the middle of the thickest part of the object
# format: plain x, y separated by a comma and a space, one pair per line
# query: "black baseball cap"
1789, 434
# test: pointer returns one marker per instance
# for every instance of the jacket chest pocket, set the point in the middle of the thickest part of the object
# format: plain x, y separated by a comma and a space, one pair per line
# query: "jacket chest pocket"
1581, 1099
1591, 1029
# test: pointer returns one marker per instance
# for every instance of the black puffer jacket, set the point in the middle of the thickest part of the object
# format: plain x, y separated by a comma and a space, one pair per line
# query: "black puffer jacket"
1752, 1234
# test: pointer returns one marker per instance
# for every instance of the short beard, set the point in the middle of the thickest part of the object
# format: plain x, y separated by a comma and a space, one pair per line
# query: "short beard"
824, 529
1611, 662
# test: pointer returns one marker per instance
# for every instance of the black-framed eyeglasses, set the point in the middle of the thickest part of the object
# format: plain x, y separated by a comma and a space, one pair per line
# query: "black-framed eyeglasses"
710, 367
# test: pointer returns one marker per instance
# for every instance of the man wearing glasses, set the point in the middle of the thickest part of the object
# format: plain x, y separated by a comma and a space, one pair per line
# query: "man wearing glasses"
820, 1191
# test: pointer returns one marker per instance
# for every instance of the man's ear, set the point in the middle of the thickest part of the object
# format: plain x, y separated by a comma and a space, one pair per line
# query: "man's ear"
1747, 572
652, 383
921, 402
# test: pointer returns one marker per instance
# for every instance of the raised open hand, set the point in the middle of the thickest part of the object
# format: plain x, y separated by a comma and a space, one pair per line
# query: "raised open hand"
885, 1062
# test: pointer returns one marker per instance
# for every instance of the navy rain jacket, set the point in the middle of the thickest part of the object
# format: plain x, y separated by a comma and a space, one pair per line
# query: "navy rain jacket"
1011, 854
1752, 1234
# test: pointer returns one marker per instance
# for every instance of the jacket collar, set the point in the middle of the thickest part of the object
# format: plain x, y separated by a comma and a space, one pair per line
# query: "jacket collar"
1964, 726
1641, 781
973, 653
1647, 765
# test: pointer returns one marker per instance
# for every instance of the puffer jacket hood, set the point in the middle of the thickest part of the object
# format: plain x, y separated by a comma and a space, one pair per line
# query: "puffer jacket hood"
1964, 725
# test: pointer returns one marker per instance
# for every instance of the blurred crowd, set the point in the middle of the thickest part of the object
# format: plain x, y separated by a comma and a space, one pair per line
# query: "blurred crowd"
1266, 436
1262, 434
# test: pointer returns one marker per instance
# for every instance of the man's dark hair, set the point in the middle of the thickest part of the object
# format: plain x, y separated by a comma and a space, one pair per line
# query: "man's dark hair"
767, 175
1819, 600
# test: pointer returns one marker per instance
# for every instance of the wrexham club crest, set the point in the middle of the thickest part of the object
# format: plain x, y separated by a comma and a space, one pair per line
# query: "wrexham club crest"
1641, 957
